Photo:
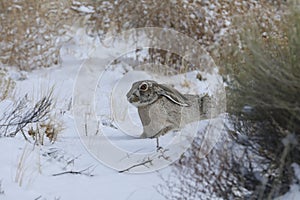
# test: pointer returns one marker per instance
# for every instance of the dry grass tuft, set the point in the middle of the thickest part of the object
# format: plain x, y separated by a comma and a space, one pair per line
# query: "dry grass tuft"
48, 129
7, 86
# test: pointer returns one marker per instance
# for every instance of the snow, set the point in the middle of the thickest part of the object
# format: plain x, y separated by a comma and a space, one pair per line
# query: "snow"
85, 9
293, 194
290, 139
37, 172
38, 165
28, 171
296, 170
78, 6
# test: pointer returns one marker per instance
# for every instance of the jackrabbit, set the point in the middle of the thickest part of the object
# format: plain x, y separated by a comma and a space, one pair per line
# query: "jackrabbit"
162, 108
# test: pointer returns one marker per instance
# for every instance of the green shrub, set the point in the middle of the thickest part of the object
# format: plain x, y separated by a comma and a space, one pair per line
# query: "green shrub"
263, 99
260, 62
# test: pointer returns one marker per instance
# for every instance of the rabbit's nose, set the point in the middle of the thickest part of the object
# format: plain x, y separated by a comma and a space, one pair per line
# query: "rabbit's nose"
128, 94
133, 99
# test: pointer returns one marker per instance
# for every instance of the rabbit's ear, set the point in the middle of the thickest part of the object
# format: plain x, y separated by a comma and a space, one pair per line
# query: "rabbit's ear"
172, 95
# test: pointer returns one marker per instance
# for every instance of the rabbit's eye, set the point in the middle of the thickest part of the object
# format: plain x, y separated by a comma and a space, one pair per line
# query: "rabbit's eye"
143, 87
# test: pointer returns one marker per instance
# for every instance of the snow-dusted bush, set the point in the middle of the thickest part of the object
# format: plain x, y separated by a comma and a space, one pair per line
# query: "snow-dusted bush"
205, 21
256, 160
264, 99
31, 32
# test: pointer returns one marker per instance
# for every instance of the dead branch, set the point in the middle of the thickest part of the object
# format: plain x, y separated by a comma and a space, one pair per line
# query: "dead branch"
81, 172
136, 165
163, 155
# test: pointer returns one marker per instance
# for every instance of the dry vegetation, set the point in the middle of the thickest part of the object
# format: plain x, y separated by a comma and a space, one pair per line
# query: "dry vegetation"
7, 86
206, 21
32, 32
261, 67
36, 120
255, 43
200, 20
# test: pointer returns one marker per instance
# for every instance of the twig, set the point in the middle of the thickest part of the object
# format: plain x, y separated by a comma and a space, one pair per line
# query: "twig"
39, 197
136, 165
81, 172
162, 155
71, 161
86, 129
24, 134
98, 124
131, 153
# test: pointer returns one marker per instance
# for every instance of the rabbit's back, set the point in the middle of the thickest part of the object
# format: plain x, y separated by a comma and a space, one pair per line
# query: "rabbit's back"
198, 109
163, 115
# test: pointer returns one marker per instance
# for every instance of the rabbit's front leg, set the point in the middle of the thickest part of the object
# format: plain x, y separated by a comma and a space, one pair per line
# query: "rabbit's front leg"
145, 119
162, 131
154, 120
144, 135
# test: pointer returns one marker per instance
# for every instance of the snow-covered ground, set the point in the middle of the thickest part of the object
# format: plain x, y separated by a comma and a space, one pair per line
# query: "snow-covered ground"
28, 171
74, 167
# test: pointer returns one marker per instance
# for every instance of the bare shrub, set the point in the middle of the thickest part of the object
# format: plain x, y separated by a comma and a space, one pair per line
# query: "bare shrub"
31, 32
36, 121
215, 176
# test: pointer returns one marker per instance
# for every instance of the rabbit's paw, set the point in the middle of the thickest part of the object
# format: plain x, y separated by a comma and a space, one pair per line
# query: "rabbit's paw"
143, 136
